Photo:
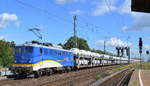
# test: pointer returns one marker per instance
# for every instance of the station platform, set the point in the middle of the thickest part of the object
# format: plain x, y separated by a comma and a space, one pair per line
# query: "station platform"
140, 78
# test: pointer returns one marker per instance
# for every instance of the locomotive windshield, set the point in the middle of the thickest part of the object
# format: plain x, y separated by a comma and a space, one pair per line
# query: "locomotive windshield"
18, 50
21, 49
29, 49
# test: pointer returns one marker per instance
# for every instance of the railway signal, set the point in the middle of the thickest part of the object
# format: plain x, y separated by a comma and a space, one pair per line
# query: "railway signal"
140, 48
140, 45
147, 52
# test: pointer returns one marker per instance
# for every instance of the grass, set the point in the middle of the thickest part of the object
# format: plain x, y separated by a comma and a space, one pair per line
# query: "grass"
145, 65
121, 68
102, 75
99, 76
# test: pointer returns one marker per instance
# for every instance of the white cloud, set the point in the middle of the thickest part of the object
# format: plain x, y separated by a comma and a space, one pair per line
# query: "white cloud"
104, 6
66, 1
138, 18
124, 28
114, 42
141, 21
125, 7
6, 18
146, 46
77, 12
2, 38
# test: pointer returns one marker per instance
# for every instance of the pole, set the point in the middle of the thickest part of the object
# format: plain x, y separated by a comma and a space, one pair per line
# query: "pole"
140, 50
121, 55
104, 47
129, 55
74, 31
147, 52
140, 60
128, 49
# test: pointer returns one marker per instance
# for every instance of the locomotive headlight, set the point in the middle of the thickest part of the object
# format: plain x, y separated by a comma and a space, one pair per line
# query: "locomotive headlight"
15, 61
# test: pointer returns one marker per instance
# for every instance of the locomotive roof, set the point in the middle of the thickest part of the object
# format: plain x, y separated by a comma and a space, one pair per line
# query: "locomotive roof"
37, 45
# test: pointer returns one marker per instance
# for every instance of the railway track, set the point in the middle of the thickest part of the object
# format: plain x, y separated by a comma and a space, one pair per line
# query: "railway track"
81, 77
120, 78
125, 78
84, 78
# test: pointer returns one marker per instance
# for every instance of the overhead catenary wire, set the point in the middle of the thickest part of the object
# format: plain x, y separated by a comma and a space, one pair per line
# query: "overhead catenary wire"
84, 27
54, 17
60, 19
79, 25
119, 21
42, 10
91, 26
108, 4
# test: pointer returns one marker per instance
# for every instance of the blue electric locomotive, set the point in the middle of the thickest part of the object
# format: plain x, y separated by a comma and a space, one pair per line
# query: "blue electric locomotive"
35, 59
38, 59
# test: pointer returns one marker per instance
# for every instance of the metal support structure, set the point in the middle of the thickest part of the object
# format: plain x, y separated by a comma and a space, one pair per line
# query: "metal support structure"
140, 60
74, 32
104, 47
118, 52
128, 54
36, 32
121, 50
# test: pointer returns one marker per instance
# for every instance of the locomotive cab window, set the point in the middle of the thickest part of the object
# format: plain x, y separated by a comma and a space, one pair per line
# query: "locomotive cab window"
29, 49
18, 50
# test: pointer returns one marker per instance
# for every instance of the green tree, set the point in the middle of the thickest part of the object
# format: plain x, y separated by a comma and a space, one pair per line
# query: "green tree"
102, 52
6, 53
81, 43
97, 51
60, 44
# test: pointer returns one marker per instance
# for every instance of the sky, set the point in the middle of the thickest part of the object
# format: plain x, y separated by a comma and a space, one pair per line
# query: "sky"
97, 21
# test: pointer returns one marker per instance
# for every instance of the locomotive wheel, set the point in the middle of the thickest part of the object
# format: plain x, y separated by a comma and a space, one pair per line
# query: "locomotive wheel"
68, 69
20, 76
49, 72
37, 74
